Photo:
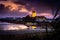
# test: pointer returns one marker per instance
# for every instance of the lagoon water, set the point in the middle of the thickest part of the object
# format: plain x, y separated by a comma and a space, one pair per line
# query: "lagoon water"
11, 26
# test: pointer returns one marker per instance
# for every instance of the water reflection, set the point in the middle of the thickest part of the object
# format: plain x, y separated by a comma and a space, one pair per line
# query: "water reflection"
8, 26
11, 26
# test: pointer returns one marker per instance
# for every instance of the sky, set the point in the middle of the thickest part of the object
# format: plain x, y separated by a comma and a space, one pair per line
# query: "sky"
22, 8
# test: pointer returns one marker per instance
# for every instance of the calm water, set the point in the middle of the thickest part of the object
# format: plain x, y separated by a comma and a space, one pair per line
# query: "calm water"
11, 26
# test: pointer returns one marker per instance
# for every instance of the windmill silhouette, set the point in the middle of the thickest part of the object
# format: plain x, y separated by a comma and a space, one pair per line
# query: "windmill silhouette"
56, 20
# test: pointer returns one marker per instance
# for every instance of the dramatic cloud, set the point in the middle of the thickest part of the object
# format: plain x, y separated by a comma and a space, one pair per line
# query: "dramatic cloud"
1, 7
22, 8
14, 7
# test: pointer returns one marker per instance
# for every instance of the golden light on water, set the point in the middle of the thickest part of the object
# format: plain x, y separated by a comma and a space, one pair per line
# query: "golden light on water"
33, 27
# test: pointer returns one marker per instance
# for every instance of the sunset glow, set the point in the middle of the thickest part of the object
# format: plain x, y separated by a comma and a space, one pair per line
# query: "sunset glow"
47, 15
13, 6
18, 9
23, 9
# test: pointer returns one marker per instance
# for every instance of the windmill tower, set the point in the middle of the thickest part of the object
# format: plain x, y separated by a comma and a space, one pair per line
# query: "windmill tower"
33, 13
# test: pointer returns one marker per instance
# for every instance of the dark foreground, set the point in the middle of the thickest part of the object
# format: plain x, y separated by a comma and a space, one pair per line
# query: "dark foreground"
27, 35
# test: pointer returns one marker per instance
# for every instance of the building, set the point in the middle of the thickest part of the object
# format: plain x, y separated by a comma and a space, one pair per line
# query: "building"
33, 14
37, 18
40, 18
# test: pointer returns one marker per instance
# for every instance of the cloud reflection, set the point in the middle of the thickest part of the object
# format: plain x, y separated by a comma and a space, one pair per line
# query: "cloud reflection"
14, 27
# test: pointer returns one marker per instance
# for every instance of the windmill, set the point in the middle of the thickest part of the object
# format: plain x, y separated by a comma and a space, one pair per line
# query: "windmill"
56, 21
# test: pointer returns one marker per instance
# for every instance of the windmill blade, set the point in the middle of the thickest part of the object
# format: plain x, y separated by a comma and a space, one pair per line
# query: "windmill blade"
56, 13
